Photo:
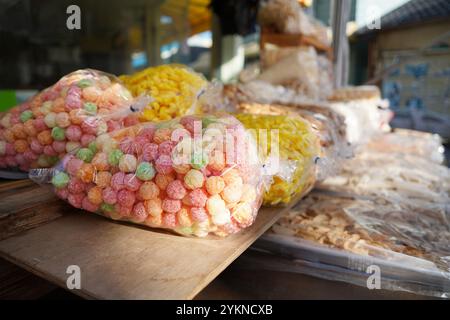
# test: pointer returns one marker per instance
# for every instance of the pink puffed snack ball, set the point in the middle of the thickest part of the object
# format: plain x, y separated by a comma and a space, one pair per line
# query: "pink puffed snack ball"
166, 148
73, 133
131, 182
197, 198
109, 195
59, 147
149, 151
175, 190
163, 164
169, 220
117, 181
126, 198
76, 186
199, 214
128, 145
75, 199
139, 213
171, 206
73, 166
36, 146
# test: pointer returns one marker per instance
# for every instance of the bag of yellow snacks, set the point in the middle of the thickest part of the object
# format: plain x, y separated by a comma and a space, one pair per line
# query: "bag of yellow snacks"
175, 90
298, 148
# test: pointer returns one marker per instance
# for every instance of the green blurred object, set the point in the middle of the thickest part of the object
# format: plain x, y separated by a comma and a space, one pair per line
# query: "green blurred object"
7, 99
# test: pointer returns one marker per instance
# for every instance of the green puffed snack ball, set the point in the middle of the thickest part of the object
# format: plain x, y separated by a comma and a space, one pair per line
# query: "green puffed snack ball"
58, 134
114, 157
105, 207
84, 83
26, 115
93, 147
145, 171
90, 107
199, 161
85, 154
60, 180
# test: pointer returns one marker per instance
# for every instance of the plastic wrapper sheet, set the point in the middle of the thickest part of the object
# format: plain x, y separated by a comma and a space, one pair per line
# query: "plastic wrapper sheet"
64, 117
402, 178
193, 175
364, 118
175, 90
290, 150
342, 237
421, 144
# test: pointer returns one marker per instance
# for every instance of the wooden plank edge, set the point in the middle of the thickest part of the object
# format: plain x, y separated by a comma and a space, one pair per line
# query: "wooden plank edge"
25, 219
14, 184
44, 276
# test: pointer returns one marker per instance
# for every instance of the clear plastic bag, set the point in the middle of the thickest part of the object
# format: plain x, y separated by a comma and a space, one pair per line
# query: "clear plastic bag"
193, 175
298, 68
364, 118
175, 90
299, 71
64, 117
294, 146
328, 125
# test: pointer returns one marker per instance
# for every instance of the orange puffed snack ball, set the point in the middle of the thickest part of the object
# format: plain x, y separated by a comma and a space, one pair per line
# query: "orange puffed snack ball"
86, 173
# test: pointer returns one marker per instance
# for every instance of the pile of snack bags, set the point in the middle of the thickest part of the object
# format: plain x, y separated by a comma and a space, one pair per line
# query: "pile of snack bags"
140, 148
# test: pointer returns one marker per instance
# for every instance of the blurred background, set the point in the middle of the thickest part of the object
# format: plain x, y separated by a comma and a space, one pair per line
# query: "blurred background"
408, 57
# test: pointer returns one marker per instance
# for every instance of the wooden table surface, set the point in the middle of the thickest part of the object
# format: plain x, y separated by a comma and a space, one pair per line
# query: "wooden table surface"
117, 260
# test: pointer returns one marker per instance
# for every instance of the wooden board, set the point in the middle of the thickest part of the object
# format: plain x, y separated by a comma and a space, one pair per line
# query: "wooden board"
123, 261
25, 205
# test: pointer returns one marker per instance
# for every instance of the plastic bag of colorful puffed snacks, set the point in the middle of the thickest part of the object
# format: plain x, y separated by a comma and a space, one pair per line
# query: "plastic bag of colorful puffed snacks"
175, 90
62, 118
193, 175
297, 147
